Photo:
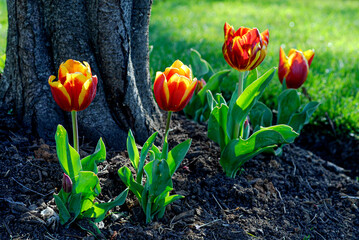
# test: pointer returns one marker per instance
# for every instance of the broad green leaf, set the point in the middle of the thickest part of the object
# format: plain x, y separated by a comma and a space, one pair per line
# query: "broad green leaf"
298, 120
146, 147
156, 152
212, 84
158, 177
260, 116
75, 206
132, 150
177, 154
250, 77
238, 151
99, 210
288, 104
212, 103
196, 107
127, 178
157, 203
85, 183
68, 157
239, 110
217, 125
200, 66
87, 203
90, 162
63, 212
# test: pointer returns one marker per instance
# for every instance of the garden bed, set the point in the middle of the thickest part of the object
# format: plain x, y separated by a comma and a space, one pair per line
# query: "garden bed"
295, 196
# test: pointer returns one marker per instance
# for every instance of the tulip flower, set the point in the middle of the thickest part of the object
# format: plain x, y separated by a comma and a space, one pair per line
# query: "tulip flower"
66, 183
245, 48
173, 88
294, 68
75, 88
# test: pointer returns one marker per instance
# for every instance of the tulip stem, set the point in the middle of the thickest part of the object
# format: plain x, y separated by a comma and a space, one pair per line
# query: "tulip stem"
240, 83
240, 90
169, 114
75, 130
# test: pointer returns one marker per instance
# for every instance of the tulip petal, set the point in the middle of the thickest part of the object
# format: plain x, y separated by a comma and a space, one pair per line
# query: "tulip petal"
60, 94
177, 86
298, 70
161, 92
309, 55
283, 68
188, 94
88, 93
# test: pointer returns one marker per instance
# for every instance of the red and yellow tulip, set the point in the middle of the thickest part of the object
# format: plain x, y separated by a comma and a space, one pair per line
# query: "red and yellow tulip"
294, 68
245, 48
174, 87
75, 88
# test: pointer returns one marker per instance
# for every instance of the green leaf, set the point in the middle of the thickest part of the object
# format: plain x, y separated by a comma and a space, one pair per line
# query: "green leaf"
298, 120
99, 210
146, 147
217, 125
200, 66
177, 154
127, 178
68, 157
165, 147
90, 162
250, 77
75, 206
158, 177
157, 153
86, 183
239, 109
196, 107
260, 116
288, 104
238, 151
132, 150
63, 212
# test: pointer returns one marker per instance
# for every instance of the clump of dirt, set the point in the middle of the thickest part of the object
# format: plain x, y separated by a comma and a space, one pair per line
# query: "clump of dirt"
295, 196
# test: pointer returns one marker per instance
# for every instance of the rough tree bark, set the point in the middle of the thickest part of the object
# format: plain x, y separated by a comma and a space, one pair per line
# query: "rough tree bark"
112, 35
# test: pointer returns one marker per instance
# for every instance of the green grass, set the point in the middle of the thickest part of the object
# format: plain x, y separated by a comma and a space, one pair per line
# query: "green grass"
329, 27
3, 26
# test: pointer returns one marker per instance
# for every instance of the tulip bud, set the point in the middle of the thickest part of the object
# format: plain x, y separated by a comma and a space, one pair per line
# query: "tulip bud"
200, 85
66, 183
246, 129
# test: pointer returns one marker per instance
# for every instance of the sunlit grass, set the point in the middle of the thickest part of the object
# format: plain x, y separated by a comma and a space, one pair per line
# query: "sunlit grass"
329, 27
3, 26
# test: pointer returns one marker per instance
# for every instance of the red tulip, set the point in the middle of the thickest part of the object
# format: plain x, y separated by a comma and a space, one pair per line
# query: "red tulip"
75, 88
294, 68
174, 87
245, 48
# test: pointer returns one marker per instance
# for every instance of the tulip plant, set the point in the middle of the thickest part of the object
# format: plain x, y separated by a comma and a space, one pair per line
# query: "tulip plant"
197, 108
292, 73
173, 89
74, 91
228, 125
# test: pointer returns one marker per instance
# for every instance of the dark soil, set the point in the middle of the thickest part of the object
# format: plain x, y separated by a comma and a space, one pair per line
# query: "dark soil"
295, 196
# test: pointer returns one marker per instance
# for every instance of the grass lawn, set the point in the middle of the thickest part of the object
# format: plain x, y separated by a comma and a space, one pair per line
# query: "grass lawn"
3, 26
329, 27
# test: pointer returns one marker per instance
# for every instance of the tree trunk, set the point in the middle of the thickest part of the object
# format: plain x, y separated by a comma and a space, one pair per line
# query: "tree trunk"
111, 35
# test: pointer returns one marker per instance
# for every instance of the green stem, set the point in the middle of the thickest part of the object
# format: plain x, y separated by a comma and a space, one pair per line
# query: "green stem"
169, 114
240, 90
75, 130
